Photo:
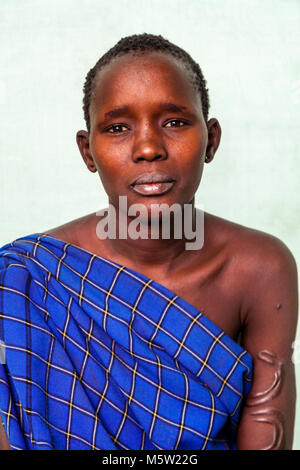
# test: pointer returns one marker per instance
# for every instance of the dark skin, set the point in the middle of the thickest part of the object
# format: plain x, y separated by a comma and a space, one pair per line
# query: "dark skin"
242, 279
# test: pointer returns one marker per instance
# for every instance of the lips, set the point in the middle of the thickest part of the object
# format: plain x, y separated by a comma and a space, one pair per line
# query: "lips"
153, 178
152, 184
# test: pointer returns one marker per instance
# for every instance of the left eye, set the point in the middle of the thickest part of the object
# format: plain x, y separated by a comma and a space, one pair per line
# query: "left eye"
177, 122
116, 129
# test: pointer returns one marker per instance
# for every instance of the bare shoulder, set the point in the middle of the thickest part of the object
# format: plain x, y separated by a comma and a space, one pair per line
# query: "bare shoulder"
74, 231
262, 266
251, 249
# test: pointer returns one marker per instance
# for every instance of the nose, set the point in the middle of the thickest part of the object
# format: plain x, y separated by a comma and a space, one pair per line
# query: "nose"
149, 146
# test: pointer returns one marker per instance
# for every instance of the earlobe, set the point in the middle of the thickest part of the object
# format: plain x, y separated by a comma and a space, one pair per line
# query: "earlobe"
82, 139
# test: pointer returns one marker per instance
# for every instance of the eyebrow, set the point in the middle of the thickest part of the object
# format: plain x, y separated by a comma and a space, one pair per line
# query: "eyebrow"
167, 106
116, 112
173, 108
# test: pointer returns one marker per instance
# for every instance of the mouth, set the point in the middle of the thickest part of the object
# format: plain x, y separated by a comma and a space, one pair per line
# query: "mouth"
150, 184
153, 189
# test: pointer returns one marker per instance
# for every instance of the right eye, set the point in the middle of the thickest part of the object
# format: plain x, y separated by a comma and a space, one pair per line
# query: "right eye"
116, 129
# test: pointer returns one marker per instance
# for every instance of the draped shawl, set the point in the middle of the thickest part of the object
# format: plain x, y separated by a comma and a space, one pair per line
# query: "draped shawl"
99, 356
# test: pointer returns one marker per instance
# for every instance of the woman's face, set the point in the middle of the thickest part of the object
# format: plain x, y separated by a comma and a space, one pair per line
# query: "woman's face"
146, 117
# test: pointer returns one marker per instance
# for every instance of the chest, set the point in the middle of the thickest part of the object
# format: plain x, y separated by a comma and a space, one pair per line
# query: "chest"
216, 296
210, 285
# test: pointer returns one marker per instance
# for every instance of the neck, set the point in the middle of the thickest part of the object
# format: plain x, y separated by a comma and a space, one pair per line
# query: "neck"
149, 252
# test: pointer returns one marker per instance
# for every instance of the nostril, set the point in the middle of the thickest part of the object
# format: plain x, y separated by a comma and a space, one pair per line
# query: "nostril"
149, 150
147, 157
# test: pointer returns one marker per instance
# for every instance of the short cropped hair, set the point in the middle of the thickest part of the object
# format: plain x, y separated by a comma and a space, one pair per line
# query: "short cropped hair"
144, 43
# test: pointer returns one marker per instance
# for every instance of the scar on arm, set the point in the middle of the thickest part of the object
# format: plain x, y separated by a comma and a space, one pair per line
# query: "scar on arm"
276, 419
274, 389
270, 415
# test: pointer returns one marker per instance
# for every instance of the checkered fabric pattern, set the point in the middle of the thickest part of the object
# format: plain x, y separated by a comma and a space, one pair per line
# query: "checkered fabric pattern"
98, 356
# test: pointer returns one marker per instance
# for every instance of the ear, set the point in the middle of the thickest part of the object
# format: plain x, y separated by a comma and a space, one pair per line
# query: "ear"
214, 137
82, 139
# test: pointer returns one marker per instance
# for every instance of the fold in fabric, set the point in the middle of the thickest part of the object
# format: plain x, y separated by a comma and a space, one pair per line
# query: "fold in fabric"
99, 356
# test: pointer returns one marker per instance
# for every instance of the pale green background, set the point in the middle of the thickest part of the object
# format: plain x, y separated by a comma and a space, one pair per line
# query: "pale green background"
249, 53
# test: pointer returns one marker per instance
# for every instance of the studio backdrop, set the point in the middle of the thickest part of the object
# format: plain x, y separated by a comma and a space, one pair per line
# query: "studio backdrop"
249, 53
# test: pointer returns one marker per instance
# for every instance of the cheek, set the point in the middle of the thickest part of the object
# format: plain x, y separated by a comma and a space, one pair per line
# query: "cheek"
193, 144
191, 158
109, 164
110, 169
195, 178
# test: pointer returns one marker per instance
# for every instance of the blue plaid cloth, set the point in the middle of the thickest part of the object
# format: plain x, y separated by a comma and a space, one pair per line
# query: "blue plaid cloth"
98, 356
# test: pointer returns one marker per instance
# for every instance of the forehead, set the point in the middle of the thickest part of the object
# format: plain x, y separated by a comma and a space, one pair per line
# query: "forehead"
146, 79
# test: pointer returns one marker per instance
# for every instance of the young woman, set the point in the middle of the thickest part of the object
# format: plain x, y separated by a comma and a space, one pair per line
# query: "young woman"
139, 343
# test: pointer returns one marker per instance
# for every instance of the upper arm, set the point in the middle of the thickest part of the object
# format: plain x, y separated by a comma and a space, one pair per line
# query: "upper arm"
4, 445
271, 309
